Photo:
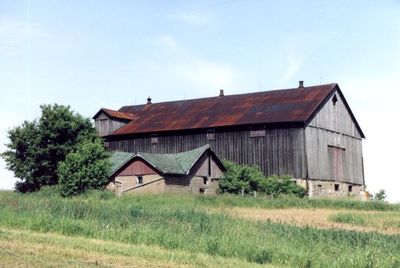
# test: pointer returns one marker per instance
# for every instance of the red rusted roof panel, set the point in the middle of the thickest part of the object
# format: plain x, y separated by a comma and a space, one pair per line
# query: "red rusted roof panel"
278, 106
118, 114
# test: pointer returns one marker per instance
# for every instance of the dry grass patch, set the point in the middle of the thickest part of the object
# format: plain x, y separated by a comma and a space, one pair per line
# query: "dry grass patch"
376, 221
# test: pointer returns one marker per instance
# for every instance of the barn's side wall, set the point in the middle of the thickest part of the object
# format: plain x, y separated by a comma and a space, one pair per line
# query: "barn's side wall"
106, 125
333, 126
190, 184
152, 183
280, 151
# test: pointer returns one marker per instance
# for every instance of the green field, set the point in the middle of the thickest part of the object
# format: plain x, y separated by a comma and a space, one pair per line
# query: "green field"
43, 229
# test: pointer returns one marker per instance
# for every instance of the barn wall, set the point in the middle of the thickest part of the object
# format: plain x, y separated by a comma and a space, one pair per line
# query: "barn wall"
153, 183
201, 168
319, 162
216, 171
106, 125
190, 184
332, 127
135, 168
280, 151
336, 118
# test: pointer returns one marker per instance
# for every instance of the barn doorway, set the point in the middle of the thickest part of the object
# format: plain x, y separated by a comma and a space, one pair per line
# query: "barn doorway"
337, 162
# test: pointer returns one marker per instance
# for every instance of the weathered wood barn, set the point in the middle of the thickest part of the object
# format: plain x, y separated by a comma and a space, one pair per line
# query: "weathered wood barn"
196, 171
307, 132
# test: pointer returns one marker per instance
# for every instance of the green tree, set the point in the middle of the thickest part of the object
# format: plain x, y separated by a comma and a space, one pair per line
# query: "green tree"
380, 196
86, 168
36, 148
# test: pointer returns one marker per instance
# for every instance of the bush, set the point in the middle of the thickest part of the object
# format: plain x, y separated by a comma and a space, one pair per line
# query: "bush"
246, 179
380, 196
86, 168
238, 178
276, 185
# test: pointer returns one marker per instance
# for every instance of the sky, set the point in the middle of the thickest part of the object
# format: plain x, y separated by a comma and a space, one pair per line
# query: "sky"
93, 54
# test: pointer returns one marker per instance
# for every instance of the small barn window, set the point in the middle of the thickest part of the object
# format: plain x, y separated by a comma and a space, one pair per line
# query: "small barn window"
257, 132
154, 139
139, 180
205, 180
334, 100
210, 135
350, 188
336, 187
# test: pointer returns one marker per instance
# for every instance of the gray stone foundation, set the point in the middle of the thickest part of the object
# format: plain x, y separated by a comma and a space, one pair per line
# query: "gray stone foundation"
320, 188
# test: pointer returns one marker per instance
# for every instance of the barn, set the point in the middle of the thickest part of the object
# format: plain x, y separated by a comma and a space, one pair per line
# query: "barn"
308, 132
196, 171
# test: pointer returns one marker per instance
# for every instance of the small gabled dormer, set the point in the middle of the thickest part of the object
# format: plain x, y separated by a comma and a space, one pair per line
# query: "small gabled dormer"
107, 121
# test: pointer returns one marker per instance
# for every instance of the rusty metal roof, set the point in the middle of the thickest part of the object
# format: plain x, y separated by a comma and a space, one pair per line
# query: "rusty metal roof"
115, 114
297, 105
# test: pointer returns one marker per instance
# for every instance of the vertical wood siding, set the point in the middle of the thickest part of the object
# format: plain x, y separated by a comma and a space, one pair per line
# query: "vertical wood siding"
137, 167
106, 125
280, 151
336, 118
333, 126
319, 163
206, 166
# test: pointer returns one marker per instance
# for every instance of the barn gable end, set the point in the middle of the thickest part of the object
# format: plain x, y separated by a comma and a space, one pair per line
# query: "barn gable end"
107, 121
334, 143
336, 115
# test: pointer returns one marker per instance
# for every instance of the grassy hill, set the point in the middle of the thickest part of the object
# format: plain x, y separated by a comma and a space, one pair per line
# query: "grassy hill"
43, 229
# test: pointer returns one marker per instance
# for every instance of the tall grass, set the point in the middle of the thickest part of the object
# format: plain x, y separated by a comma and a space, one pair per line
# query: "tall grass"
182, 222
293, 202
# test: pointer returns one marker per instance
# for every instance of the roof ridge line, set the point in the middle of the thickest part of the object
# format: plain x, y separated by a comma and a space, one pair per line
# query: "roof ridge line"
228, 95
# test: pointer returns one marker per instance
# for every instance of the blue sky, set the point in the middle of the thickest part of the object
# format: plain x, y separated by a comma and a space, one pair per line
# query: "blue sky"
92, 54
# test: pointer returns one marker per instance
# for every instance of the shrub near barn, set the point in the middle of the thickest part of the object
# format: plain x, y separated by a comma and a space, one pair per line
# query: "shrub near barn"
247, 179
86, 168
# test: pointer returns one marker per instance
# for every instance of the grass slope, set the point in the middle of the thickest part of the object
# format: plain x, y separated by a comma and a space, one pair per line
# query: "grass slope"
22, 248
183, 223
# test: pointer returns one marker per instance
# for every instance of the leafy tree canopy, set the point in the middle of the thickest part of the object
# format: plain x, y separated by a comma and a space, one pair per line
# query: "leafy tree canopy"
36, 148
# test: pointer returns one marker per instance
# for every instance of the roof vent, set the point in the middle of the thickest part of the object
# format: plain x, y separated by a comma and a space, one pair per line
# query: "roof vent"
301, 84
149, 100
221, 92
